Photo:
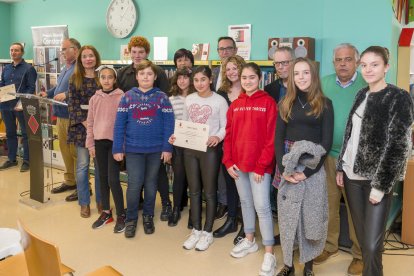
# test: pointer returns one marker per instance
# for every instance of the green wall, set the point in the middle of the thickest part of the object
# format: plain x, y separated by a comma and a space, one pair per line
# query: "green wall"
362, 23
5, 38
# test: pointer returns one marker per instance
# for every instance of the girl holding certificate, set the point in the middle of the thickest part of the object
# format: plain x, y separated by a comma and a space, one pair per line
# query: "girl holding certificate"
204, 107
249, 159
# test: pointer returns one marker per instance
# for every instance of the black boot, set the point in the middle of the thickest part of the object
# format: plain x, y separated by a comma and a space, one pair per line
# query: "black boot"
287, 271
229, 226
190, 222
148, 223
166, 212
240, 236
174, 217
308, 270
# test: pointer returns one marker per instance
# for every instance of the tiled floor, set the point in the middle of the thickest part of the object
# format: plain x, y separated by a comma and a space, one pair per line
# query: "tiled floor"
85, 249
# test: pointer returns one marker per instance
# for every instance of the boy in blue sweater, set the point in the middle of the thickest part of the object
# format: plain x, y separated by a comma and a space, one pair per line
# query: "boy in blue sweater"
144, 122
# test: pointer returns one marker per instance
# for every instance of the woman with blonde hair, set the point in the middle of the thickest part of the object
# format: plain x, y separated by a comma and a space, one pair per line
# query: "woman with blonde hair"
230, 89
305, 116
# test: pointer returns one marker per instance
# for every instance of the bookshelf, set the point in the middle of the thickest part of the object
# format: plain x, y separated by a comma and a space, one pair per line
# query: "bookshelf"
268, 71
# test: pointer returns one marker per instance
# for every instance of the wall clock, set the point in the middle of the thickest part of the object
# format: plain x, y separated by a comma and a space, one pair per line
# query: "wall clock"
121, 18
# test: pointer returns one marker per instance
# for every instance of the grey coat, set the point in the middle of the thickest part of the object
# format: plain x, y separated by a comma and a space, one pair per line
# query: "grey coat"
303, 207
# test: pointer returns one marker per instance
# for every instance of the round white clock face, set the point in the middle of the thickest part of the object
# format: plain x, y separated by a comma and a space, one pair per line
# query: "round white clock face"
121, 17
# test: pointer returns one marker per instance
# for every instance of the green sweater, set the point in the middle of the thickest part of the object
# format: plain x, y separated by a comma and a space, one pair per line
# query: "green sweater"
342, 99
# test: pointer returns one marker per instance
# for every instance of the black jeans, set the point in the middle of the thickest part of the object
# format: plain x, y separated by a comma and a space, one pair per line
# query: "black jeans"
180, 179
202, 171
109, 170
369, 222
233, 199
163, 187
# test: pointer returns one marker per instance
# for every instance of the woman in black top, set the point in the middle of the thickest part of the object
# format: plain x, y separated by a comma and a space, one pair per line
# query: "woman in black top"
304, 114
230, 89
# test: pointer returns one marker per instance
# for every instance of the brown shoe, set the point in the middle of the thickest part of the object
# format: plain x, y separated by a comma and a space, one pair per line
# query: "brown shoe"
324, 257
63, 188
85, 211
355, 267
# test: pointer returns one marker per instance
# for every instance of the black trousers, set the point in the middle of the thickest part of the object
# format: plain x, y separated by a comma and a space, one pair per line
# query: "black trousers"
233, 199
163, 185
202, 171
109, 170
180, 183
232, 195
369, 222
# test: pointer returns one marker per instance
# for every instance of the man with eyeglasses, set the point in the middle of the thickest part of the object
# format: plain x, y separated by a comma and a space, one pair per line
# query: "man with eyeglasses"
282, 59
341, 88
69, 50
226, 47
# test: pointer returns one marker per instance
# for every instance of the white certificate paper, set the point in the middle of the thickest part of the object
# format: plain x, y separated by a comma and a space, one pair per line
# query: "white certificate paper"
4, 93
191, 135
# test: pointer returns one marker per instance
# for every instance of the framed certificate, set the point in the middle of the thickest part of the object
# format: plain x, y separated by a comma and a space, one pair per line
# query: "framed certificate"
191, 135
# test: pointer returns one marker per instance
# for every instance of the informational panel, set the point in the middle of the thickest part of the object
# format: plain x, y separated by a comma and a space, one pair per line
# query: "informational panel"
48, 62
47, 58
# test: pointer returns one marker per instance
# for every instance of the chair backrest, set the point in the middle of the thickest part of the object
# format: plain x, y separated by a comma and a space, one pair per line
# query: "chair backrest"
42, 257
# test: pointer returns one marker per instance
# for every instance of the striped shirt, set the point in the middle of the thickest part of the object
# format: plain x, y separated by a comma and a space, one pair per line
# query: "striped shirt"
177, 103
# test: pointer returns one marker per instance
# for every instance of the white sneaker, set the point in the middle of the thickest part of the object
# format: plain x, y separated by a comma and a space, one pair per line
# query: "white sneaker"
191, 242
244, 247
205, 240
268, 265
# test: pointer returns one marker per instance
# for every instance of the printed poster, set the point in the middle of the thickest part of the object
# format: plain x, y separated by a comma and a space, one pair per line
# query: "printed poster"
242, 35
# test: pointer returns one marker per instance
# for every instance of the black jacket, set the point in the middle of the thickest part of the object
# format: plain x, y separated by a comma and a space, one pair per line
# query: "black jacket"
126, 79
273, 89
385, 138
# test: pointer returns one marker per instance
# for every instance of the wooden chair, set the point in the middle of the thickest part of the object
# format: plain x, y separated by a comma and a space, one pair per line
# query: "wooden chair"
14, 265
105, 271
42, 257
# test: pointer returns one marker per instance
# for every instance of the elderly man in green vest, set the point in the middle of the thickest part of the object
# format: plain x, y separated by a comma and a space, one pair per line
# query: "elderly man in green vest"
341, 88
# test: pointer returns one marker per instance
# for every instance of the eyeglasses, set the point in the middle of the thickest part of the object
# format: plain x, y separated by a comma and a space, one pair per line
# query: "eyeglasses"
224, 49
346, 60
283, 63
64, 49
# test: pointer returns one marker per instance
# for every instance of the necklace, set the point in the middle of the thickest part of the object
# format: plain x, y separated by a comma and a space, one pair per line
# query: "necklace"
301, 104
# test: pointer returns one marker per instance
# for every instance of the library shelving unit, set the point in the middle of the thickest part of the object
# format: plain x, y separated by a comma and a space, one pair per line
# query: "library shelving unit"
268, 71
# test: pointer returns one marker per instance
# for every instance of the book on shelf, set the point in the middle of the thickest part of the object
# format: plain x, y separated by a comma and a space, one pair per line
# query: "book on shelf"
201, 51
124, 53
170, 72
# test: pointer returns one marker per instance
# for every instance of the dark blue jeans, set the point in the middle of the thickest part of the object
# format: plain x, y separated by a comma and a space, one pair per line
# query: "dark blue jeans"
142, 171
9, 117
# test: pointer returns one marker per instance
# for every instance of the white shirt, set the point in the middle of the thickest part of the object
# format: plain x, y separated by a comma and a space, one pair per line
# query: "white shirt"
352, 148
211, 111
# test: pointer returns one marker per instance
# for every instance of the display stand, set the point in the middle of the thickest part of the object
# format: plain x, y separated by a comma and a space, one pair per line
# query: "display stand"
37, 118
